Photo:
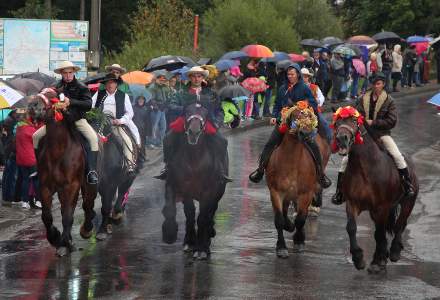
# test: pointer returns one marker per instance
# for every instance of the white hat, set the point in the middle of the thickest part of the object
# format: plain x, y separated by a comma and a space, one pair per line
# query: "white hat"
306, 71
66, 64
198, 70
115, 67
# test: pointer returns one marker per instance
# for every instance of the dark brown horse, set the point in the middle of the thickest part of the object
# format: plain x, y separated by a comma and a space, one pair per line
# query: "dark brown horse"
196, 172
372, 183
292, 178
61, 169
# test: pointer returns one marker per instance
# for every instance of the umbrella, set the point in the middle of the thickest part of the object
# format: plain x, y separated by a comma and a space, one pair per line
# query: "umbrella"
257, 51
233, 91
168, 62
417, 39
311, 43
421, 47
435, 100
189, 62
356, 48
386, 37
182, 72
234, 55
94, 78
331, 41
140, 90
277, 56
344, 50
254, 84
361, 40
359, 66
8, 95
225, 64
44, 78
137, 77
204, 61
26, 85
296, 57
93, 87
284, 64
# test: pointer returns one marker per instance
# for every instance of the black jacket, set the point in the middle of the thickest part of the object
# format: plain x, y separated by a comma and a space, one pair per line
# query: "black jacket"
141, 117
79, 95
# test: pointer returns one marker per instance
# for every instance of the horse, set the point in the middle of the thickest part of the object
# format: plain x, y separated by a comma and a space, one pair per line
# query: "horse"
113, 177
291, 177
372, 183
196, 172
61, 165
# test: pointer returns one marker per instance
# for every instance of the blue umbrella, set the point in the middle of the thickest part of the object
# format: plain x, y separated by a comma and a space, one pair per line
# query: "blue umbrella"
140, 90
225, 64
182, 72
435, 100
417, 39
277, 56
234, 55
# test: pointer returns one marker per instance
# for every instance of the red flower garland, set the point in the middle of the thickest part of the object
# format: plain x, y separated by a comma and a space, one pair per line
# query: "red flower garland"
344, 113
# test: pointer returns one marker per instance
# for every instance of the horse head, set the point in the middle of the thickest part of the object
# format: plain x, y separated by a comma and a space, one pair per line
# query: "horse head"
195, 122
40, 105
347, 123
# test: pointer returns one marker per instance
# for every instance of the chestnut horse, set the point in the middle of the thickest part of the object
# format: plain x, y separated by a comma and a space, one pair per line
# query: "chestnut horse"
372, 183
291, 177
61, 169
196, 172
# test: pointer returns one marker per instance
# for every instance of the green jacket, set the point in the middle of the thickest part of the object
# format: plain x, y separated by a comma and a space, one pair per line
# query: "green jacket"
161, 95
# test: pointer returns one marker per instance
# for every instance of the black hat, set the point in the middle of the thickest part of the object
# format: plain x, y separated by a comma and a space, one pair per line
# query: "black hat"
379, 76
108, 77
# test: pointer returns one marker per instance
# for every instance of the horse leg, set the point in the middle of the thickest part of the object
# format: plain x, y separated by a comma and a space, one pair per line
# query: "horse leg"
299, 237
169, 225
288, 225
118, 208
68, 197
88, 195
396, 246
380, 257
205, 225
52, 233
190, 235
107, 196
356, 252
277, 205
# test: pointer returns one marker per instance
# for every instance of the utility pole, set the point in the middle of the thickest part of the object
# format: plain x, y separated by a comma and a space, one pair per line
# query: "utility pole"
48, 5
82, 9
95, 33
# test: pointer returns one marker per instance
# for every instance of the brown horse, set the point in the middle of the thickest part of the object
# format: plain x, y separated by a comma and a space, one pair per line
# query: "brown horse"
61, 166
291, 177
372, 183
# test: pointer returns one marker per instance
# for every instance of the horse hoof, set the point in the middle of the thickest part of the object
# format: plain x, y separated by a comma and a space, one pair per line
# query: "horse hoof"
62, 251
187, 248
282, 253
376, 269
169, 232
196, 255
395, 256
314, 211
289, 227
84, 233
298, 248
203, 255
101, 236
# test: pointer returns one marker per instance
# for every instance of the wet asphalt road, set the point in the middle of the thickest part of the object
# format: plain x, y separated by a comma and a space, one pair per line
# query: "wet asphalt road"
135, 264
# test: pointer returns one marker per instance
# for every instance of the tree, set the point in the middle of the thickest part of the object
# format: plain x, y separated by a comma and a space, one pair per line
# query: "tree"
158, 28
230, 25
36, 9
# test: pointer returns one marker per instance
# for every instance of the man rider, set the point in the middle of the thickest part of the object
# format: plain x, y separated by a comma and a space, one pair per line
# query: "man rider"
117, 103
380, 115
292, 91
196, 92
77, 102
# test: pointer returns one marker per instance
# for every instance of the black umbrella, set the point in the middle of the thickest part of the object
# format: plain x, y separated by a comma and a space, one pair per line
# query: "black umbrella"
234, 55
386, 37
331, 41
44, 78
26, 85
233, 91
311, 43
94, 78
167, 62
284, 64
189, 62
204, 61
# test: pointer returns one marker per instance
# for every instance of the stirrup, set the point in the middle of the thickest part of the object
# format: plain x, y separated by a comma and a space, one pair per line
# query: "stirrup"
92, 177
325, 181
337, 198
226, 178
163, 174
256, 176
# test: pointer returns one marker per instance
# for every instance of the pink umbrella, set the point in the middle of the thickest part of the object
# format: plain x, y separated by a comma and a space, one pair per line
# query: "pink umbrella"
296, 57
421, 47
254, 84
359, 66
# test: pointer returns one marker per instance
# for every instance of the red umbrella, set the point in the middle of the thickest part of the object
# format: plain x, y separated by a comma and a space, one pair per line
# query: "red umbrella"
421, 47
254, 84
257, 51
296, 57
361, 40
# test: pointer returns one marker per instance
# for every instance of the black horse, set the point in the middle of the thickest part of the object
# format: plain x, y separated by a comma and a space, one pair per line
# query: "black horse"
113, 178
195, 172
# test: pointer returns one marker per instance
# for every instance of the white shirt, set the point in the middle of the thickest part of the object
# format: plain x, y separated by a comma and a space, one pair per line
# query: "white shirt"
110, 107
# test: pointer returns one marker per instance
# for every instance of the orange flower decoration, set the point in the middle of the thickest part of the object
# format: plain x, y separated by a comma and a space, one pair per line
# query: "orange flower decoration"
303, 104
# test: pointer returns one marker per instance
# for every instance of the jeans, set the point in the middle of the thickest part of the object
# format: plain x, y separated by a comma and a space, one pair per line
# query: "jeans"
267, 98
24, 172
256, 107
416, 77
9, 179
159, 126
354, 85
387, 74
408, 75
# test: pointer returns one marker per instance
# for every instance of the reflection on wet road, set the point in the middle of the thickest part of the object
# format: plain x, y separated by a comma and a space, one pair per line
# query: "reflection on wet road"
135, 264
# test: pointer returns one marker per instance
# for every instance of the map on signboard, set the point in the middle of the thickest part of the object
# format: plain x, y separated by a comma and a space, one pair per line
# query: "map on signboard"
26, 46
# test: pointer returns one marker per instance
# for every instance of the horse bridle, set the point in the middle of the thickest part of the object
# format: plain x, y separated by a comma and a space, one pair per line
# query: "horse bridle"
195, 116
352, 131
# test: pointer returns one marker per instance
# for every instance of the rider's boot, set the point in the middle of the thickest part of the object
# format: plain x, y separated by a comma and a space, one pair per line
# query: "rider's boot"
168, 147
274, 140
337, 198
92, 175
313, 146
407, 184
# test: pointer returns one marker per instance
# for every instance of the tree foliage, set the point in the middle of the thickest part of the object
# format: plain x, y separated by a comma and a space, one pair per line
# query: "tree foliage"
35, 9
158, 28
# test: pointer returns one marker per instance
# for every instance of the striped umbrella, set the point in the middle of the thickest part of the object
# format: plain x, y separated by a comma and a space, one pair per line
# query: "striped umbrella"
257, 51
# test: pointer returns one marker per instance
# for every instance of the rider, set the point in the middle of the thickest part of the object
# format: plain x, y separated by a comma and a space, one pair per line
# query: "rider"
195, 92
118, 105
118, 71
292, 91
380, 113
316, 91
77, 101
